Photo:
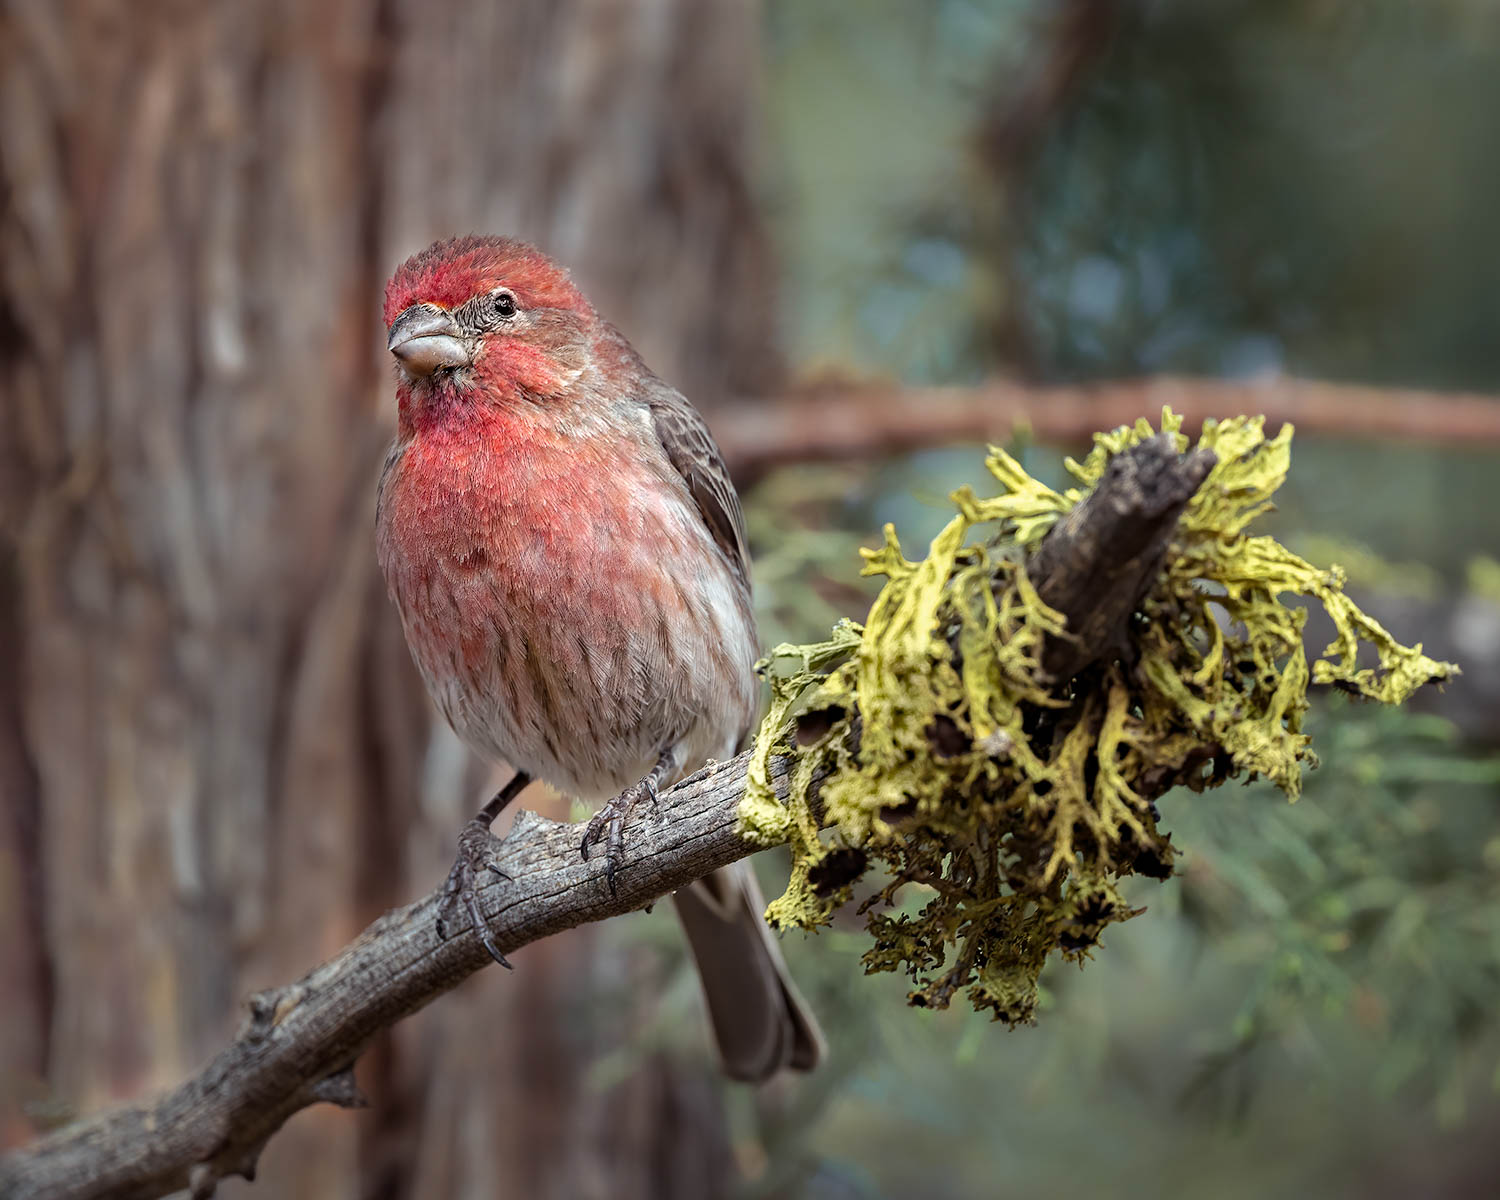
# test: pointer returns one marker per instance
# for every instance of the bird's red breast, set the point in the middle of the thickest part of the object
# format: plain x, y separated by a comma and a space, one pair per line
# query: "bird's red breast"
567, 608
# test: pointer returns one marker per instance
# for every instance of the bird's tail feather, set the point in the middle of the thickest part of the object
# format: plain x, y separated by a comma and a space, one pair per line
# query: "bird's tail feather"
760, 1021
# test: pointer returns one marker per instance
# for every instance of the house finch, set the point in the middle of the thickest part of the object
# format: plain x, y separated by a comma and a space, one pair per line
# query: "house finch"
559, 533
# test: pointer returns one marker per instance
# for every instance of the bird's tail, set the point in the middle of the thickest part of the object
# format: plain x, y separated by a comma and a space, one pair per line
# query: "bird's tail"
760, 1021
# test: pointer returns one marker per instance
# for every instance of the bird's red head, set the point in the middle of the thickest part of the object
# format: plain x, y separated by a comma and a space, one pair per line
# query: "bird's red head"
484, 317
450, 273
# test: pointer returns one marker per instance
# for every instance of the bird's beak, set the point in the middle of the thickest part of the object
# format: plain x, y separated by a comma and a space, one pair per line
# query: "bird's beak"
424, 339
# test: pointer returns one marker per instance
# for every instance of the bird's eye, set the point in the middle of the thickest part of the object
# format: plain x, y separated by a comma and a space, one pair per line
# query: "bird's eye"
505, 304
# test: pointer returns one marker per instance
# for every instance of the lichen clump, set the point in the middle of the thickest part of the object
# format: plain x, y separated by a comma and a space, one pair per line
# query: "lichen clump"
931, 745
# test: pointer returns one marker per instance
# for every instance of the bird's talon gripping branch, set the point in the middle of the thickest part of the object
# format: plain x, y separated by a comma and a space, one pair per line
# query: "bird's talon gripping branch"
476, 853
609, 821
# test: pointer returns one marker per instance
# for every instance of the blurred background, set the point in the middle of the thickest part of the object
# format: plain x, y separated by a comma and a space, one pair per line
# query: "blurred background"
217, 765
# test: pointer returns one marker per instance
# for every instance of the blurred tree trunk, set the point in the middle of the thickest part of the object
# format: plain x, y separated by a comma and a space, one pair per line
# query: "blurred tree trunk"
215, 762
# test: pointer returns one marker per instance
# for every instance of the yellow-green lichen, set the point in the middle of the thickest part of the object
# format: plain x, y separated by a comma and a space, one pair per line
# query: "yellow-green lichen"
932, 749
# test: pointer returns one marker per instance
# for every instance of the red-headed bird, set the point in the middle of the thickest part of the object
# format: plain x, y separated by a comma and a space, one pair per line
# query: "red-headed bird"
560, 535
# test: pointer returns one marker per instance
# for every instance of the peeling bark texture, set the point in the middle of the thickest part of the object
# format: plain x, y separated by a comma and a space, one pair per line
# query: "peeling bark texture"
299, 1042
216, 764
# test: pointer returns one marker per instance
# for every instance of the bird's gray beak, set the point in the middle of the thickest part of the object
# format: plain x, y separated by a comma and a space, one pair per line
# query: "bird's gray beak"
424, 339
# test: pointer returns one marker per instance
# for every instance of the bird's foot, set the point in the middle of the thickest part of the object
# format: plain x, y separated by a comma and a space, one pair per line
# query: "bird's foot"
609, 822
476, 854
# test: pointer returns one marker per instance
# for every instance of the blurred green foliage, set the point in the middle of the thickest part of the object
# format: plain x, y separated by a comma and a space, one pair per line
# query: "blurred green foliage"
1229, 186
1374, 915
1241, 186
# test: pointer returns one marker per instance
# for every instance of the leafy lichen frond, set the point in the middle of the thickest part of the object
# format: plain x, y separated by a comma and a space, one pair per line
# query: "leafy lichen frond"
1004, 811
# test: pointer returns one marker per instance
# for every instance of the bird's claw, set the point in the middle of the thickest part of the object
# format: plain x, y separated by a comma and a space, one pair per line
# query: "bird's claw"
476, 853
609, 823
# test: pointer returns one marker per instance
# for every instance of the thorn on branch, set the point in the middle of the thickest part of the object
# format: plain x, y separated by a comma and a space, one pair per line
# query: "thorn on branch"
340, 1089
203, 1181
248, 1163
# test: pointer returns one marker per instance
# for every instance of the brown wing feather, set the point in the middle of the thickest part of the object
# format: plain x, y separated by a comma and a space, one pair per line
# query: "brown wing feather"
692, 450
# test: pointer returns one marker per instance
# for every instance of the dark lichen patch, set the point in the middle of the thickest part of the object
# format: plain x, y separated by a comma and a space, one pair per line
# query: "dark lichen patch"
947, 737
836, 870
814, 726
1004, 808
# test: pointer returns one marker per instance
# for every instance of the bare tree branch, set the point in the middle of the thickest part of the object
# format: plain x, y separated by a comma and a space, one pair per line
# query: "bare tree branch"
299, 1042
1102, 557
859, 422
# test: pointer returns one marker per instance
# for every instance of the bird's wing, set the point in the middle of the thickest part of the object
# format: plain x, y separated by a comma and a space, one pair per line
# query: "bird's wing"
691, 449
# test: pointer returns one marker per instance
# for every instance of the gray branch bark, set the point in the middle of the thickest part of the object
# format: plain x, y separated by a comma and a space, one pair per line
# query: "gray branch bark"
299, 1043
1099, 560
